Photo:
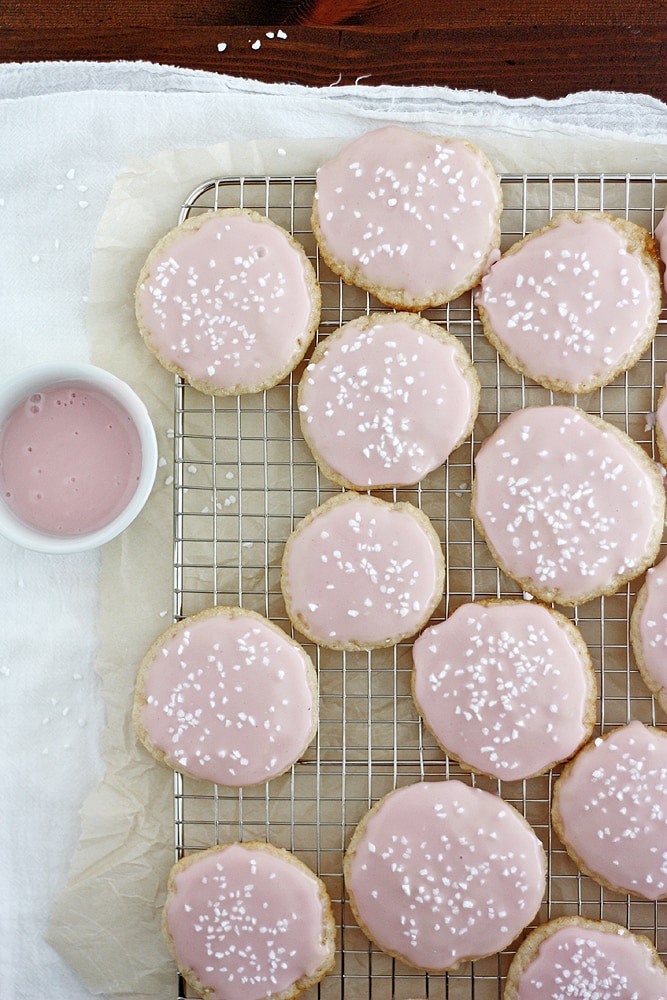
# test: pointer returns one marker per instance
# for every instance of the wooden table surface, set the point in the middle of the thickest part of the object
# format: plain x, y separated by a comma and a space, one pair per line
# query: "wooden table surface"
517, 48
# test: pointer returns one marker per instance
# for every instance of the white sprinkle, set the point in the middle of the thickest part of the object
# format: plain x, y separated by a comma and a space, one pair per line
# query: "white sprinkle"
222, 46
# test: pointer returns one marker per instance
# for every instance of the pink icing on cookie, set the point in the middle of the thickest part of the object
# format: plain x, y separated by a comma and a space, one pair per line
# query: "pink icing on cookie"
228, 302
585, 962
612, 805
504, 687
440, 872
246, 921
653, 626
228, 699
388, 400
410, 211
661, 412
567, 505
571, 302
661, 237
358, 572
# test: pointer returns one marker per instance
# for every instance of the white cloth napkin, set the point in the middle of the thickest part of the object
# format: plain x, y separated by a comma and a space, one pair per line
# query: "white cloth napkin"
65, 131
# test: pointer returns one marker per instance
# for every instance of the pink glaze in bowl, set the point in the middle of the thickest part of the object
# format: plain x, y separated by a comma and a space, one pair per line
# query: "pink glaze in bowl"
78, 457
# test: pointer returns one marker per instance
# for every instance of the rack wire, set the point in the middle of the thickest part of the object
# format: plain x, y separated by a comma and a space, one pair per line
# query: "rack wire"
243, 478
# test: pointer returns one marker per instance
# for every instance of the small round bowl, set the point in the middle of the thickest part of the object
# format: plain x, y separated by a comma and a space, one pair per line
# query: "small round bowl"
40, 378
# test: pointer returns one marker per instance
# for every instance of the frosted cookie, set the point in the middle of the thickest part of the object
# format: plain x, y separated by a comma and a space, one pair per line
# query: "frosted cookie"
575, 303
661, 237
570, 507
229, 301
661, 424
439, 873
585, 959
648, 631
610, 810
360, 573
411, 218
248, 921
506, 687
386, 399
226, 696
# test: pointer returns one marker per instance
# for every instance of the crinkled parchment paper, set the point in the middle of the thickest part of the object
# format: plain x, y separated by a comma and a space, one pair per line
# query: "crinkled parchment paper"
106, 921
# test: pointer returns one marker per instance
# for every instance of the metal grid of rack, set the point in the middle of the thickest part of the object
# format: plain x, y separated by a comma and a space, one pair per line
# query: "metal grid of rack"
243, 478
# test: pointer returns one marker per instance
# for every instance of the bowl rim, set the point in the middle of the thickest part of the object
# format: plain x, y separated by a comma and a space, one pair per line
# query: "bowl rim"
34, 378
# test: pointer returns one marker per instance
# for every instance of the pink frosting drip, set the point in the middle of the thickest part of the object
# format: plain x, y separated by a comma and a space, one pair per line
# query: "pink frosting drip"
228, 303
583, 962
228, 700
562, 501
410, 211
445, 872
361, 571
613, 807
386, 404
502, 687
248, 924
571, 302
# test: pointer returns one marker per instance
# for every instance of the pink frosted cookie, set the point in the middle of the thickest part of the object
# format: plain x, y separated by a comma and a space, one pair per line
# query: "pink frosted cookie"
576, 302
360, 573
661, 424
610, 810
648, 631
439, 873
229, 301
571, 957
410, 217
226, 696
569, 505
386, 399
661, 237
248, 921
506, 687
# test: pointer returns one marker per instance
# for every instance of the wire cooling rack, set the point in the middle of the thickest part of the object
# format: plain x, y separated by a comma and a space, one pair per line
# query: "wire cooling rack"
243, 478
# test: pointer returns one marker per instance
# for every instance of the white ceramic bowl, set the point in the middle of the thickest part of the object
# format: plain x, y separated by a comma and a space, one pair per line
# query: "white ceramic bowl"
42, 377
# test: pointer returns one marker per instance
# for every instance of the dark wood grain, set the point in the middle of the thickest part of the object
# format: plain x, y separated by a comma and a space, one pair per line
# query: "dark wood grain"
514, 48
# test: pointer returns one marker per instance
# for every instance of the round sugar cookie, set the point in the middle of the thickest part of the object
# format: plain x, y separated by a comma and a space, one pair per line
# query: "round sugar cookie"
572, 957
506, 687
248, 922
226, 696
609, 809
361, 573
229, 301
575, 303
570, 506
661, 424
410, 217
648, 631
439, 873
385, 399
661, 237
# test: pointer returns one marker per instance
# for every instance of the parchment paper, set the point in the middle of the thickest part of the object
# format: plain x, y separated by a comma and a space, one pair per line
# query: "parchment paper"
106, 922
